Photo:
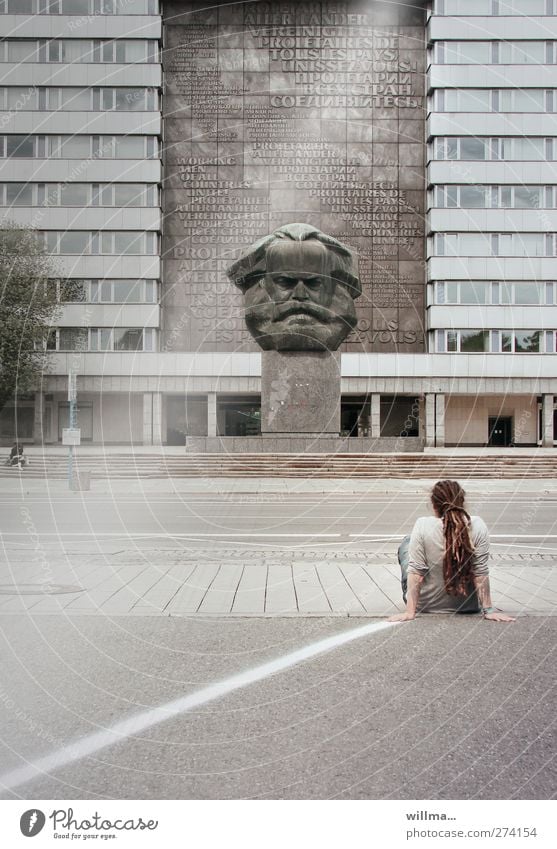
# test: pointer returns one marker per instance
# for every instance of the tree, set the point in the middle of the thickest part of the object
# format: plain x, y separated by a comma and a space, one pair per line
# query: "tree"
28, 311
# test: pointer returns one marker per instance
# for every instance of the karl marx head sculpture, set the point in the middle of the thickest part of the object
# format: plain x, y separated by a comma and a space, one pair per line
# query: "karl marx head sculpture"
299, 290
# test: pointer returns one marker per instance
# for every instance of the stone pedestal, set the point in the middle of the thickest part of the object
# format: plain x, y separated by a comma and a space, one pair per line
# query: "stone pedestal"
300, 393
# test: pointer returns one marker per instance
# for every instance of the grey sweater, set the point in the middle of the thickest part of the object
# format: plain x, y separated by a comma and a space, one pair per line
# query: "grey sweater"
427, 546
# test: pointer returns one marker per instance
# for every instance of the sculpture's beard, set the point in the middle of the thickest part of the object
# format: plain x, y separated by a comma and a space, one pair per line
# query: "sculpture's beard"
294, 325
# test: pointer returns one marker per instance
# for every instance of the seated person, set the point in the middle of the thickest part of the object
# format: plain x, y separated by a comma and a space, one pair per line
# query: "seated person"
444, 562
17, 457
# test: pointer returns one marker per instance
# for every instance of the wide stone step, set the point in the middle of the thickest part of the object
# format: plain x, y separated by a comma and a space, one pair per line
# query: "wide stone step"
381, 466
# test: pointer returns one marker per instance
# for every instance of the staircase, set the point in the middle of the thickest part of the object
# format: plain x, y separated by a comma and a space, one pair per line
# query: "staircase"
386, 466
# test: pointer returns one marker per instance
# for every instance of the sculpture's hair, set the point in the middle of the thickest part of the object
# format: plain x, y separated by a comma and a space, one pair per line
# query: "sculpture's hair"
251, 265
447, 498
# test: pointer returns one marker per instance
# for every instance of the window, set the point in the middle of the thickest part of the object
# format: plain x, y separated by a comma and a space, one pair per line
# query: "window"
73, 291
68, 147
74, 242
102, 339
464, 52
73, 339
21, 7
494, 244
522, 7
523, 52
464, 100
496, 52
466, 7
128, 340
17, 194
520, 149
495, 292
475, 341
472, 292
74, 194
124, 194
105, 242
22, 50
527, 341
127, 99
122, 339
529, 293
78, 194
493, 7
521, 100
122, 291
78, 99
79, 50
494, 100
504, 197
20, 146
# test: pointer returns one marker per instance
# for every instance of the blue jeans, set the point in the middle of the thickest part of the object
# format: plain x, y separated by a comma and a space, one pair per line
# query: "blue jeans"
403, 558
402, 555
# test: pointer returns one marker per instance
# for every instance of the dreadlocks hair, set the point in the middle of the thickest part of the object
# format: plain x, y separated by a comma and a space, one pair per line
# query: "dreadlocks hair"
447, 498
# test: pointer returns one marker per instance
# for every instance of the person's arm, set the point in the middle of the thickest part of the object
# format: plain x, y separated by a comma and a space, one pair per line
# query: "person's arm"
481, 577
417, 570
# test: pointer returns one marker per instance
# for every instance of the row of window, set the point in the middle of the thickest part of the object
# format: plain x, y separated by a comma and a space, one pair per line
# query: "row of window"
102, 339
117, 291
79, 194
499, 292
495, 197
494, 7
79, 7
105, 242
69, 50
78, 147
495, 52
495, 341
495, 100
73, 99
519, 149
495, 244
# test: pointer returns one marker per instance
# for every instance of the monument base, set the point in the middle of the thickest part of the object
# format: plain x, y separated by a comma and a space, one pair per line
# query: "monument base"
302, 444
300, 393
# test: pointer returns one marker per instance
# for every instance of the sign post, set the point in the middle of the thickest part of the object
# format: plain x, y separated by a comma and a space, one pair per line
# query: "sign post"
71, 435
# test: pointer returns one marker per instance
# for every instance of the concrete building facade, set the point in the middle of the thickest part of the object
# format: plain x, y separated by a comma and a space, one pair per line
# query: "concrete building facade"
98, 133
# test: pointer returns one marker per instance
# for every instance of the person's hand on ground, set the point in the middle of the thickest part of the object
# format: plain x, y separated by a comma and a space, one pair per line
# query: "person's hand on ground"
401, 617
497, 616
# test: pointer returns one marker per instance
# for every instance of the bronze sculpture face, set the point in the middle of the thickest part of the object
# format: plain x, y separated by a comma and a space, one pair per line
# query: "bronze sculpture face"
299, 290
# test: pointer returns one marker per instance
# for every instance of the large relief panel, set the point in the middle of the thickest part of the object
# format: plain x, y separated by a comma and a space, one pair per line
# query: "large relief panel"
293, 111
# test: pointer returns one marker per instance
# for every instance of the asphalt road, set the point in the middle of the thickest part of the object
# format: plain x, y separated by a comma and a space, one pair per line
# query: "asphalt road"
440, 708
319, 516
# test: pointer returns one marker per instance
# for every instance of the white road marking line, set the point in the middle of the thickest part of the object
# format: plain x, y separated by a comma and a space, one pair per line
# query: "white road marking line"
92, 743
169, 535
379, 537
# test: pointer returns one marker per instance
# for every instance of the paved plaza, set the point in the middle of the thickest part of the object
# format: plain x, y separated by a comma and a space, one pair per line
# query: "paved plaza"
159, 641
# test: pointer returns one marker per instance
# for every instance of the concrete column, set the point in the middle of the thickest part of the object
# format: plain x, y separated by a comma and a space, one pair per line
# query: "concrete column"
439, 421
38, 419
157, 418
152, 418
430, 420
211, 414
375, 417
547, 421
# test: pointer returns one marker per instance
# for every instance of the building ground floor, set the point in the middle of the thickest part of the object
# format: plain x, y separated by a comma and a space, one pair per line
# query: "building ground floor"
373, 421
213, 403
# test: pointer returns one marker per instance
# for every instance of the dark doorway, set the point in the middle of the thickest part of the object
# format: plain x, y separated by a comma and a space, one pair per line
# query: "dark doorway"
500, 431
239, 416
354, 415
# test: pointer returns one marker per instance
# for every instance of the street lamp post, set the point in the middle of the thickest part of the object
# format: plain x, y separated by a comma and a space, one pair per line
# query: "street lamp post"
71, 434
